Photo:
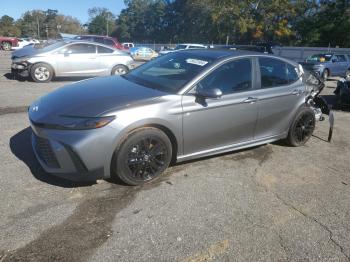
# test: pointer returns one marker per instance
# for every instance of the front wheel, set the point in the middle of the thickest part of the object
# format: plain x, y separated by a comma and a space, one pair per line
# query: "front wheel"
6, 46
302, 127
119, 70
41, 73
143, 156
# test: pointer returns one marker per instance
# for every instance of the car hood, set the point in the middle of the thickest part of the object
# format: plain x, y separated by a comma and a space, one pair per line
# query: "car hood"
91, 98
26, 51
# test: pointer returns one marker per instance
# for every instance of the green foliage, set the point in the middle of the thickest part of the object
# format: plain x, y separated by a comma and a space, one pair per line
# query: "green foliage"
8, 27
300, 22
101, 20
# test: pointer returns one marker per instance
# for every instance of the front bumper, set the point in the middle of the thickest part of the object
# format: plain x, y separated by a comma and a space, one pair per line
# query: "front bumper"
20, 69
80, 155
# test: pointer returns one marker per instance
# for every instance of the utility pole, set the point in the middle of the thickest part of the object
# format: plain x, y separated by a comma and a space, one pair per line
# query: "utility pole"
47, 31
37, 22
107, 24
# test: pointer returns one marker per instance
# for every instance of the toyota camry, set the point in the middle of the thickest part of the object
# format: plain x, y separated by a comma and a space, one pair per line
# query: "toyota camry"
181, 106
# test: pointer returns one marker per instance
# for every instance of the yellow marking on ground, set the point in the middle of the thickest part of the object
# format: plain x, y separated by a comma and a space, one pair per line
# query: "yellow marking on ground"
209, 254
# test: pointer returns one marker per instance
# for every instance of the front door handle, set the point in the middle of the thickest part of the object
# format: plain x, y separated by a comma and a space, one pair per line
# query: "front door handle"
297, 92
250, 100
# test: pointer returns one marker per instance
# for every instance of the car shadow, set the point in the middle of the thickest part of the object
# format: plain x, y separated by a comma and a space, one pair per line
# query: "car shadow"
17, 77
21, 147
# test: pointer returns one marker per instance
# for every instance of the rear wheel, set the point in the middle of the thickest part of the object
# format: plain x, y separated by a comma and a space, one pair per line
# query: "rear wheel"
119, 70
41, 73
325, 74
6, 46
143, 156
302, 127
347, 74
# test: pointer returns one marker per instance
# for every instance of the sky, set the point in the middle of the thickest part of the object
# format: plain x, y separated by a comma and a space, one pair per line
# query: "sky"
75, 8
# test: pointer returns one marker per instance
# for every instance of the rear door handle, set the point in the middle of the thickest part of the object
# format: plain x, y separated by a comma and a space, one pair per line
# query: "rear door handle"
250, 100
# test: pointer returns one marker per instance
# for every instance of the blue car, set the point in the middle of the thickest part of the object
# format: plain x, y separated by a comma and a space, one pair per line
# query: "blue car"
327, 65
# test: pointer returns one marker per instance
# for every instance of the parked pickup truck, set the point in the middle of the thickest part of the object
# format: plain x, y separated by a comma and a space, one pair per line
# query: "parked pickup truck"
327, 65
6, 43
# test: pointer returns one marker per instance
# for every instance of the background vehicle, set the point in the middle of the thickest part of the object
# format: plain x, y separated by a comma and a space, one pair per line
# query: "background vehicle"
181, 106
183, 47
22, 42
143, 53
106, 40
70, 58
6, 43
128, 45
327, 65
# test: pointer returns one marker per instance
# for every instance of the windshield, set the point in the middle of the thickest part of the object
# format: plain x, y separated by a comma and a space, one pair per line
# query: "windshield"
169, 73
319, 58
49, 46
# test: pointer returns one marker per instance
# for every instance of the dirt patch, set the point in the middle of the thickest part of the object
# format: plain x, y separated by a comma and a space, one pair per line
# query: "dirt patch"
81, 233
13, 110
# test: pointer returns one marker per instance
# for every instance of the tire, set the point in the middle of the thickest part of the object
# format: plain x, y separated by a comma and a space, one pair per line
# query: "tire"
142, 157
347, 75
41, 73
119, 70
6, 46
325, 74
302, 127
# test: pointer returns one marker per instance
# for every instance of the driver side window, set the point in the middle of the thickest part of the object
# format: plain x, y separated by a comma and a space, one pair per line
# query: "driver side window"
232, 77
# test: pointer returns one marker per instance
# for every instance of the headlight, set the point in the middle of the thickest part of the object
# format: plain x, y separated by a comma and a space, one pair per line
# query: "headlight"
82, 123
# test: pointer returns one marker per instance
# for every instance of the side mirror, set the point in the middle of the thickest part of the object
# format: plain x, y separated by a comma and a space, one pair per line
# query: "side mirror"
334, 60
209, 93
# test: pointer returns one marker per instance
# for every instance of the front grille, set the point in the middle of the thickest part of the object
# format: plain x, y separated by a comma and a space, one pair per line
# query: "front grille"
45, 152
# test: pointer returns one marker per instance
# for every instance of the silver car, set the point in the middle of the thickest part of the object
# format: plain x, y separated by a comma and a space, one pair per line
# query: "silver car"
181, 106
70, 58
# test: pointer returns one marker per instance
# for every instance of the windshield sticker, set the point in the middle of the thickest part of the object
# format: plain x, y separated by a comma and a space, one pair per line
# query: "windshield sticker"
196, 62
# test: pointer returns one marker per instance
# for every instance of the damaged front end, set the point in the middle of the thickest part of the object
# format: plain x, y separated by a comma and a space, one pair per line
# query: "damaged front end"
314, 86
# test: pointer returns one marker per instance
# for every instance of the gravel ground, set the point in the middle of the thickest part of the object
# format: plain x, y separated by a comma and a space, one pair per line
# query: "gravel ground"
269, 203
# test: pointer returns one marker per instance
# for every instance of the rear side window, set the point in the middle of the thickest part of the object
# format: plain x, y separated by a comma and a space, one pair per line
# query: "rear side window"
81, 49
292, 73
234, 76
341, 58
104, 50
273, 72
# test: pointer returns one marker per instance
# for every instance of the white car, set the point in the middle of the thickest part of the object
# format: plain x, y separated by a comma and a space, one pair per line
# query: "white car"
128, 45
183, 47
22, 42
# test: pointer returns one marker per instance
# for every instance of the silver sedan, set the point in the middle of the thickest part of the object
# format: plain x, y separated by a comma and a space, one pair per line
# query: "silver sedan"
181, 106
70, 58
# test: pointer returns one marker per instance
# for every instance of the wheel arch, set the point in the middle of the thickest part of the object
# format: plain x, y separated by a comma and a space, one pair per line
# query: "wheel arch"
170, 134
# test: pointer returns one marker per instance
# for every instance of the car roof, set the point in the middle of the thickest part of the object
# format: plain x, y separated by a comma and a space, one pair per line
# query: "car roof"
100, 36
86, 42
192, 44
220, 54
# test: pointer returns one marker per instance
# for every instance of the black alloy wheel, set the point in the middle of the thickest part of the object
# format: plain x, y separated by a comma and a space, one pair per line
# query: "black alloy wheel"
302, 127
143, 156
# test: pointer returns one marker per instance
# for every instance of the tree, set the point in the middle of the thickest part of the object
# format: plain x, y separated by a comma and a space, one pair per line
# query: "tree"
8, 27
33, 23
102, 21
